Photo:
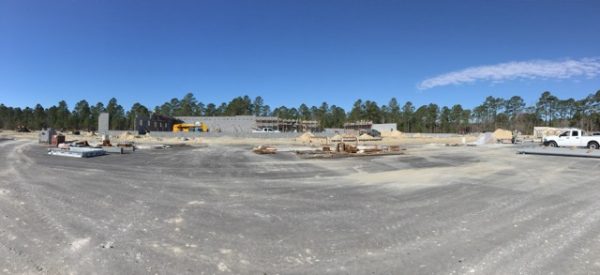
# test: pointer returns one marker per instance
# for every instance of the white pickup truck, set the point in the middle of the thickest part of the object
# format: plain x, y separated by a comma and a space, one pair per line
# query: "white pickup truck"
573, 138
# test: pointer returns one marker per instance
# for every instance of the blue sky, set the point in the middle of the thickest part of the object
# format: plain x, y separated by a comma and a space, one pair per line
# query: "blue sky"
290, 52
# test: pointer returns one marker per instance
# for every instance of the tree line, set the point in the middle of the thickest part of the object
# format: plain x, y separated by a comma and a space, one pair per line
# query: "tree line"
512, 113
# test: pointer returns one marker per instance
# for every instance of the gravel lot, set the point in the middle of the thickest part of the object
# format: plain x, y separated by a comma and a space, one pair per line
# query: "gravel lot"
224, 209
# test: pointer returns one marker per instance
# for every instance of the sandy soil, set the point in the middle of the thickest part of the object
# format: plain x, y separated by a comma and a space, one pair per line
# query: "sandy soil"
225, 140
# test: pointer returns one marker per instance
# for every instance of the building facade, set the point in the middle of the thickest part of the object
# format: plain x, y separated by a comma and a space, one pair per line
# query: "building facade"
385, 127
155, 122
246, 124
358, 125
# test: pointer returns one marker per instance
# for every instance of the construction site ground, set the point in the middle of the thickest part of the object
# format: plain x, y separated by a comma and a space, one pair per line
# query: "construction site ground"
255, 139
224, 209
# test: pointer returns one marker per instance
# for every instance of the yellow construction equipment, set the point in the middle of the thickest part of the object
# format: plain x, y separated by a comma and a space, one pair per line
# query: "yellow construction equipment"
188, 127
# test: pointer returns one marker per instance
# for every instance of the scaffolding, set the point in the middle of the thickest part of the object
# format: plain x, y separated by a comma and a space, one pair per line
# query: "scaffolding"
358, 125
287, 125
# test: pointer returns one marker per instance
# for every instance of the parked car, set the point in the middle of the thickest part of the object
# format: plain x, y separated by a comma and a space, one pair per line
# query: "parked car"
265, 131
573, 138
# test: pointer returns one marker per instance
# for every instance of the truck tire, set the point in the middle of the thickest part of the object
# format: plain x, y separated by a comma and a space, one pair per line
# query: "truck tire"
552, 144
593, 145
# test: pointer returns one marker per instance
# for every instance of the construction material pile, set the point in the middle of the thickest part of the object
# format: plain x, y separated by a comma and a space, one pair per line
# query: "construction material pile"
346, 148
83, 149
343, 150
76, 152
45, 135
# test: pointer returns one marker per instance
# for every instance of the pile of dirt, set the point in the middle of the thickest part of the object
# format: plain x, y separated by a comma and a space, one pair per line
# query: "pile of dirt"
365, 137
305, 137
502, 134
394, 133
126, 136
336, 137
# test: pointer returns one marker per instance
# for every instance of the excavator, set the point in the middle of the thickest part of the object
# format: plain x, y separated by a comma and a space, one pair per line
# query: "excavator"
188, 127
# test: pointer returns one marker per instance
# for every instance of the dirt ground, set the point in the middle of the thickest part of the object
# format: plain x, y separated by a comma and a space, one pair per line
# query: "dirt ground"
226, 140
222, 209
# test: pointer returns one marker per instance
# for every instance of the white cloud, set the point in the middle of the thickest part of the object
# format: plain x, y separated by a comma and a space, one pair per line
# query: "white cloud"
533, 69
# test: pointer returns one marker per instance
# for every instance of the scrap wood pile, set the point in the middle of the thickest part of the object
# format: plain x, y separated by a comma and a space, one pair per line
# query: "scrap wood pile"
263, 149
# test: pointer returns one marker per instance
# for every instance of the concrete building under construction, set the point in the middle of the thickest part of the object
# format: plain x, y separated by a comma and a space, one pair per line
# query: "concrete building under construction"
154, 123
355, 127
358, 125
246, 124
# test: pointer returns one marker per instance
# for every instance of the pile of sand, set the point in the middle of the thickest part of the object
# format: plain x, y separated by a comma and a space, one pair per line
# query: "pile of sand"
394, 133
365, 137
126, 136
502, 134
305, 137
